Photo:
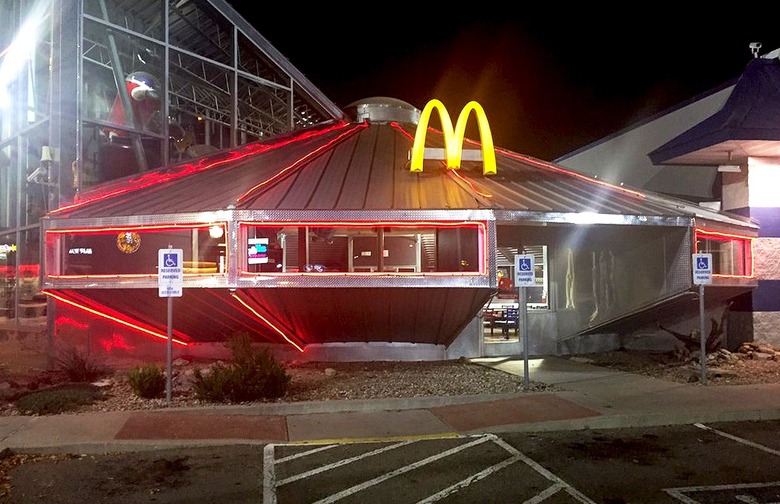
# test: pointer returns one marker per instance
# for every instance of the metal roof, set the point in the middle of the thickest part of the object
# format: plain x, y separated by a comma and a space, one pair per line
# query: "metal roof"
365, 166
746, 125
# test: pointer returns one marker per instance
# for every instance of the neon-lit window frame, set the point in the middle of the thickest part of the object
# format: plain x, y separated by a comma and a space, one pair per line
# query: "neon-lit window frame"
745, 243
480, 226
54, 242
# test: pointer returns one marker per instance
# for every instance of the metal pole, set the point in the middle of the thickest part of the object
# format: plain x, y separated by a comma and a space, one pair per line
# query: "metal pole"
169, 359
526, 371
702, 337
169, 363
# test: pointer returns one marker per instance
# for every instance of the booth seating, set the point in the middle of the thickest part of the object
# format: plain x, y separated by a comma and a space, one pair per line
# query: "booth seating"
506, 319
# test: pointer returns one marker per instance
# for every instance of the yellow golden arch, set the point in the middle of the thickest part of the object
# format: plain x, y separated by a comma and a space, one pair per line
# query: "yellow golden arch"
453, 137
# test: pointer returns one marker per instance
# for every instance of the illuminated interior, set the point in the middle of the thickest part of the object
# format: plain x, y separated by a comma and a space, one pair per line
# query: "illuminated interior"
366, 247
732, 255
115, 251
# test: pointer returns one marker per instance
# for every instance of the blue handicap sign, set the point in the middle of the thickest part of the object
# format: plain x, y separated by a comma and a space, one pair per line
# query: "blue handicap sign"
525, 264
170, 260
703, 263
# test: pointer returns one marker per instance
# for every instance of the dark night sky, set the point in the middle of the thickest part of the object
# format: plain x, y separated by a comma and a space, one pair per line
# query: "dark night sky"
549, 83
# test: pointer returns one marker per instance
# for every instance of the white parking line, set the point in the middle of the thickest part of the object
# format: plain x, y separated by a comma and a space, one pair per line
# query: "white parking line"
544, 472
271, 485
392, 474
678, 492
269, 475
340, 463
305, 454
468, 481
739, 439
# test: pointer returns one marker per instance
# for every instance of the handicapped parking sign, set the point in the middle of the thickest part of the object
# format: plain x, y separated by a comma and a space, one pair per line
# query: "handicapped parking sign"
702, 268
170, 272
524, 270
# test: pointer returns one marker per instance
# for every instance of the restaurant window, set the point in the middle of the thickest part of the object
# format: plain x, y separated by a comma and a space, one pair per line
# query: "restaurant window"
732, 255
366, 248
537, 295
133, 251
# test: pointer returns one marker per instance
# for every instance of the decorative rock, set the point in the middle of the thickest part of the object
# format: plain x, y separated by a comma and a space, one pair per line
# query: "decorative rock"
330, 372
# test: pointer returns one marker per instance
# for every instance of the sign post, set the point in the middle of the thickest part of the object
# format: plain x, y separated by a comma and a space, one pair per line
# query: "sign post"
702, 275
170, 284
524, 277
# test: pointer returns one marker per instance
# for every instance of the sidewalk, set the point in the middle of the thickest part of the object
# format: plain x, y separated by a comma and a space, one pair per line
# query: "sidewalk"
591, 397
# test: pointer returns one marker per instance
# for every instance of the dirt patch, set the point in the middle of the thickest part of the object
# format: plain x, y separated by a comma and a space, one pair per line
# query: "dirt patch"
752, 364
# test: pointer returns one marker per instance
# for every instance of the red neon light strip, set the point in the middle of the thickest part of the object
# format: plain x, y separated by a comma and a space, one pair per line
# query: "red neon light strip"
120, 229
267, 322
296, 164
155, 178
701, 231
364, 274
456, 173
125, 323
727, 237
364, 223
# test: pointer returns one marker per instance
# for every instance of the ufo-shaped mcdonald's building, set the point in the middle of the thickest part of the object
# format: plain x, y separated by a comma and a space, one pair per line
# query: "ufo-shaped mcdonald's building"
166, 175
350, 241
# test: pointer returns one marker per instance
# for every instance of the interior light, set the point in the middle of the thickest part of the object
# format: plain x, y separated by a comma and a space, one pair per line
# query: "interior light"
216, 231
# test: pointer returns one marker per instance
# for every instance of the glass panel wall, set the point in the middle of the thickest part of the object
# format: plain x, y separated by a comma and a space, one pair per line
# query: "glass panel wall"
28, 180
133, 251
368, 248
139, 84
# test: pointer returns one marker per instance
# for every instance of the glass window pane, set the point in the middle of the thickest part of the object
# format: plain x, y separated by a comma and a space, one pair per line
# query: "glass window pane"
731, 254
134, 251
366, 249
8, 253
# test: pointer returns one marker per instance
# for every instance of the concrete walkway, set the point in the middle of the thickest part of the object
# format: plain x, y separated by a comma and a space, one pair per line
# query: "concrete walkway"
589, 397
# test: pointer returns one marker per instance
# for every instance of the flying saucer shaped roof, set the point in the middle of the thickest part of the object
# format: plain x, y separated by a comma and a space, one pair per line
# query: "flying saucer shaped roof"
364, 166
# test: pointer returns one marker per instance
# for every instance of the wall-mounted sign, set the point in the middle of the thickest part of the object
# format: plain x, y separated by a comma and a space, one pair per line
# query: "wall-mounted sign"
453, 137
257, 252
6, 248
80, 251
128, 241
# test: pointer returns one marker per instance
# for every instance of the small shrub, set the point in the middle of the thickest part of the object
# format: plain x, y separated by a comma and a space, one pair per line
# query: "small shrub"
147, 381
60, 399
253, 375
80, 367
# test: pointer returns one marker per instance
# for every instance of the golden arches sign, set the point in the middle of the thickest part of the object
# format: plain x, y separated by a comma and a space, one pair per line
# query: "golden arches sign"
453, 137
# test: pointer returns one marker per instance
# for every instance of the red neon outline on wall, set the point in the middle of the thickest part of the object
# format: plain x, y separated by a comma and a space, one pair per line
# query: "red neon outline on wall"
156, 177
266, 321
112, 318
482, 246
142, 228
727, 237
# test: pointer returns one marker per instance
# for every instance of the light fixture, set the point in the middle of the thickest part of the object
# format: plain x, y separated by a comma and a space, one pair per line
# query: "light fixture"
216, 231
